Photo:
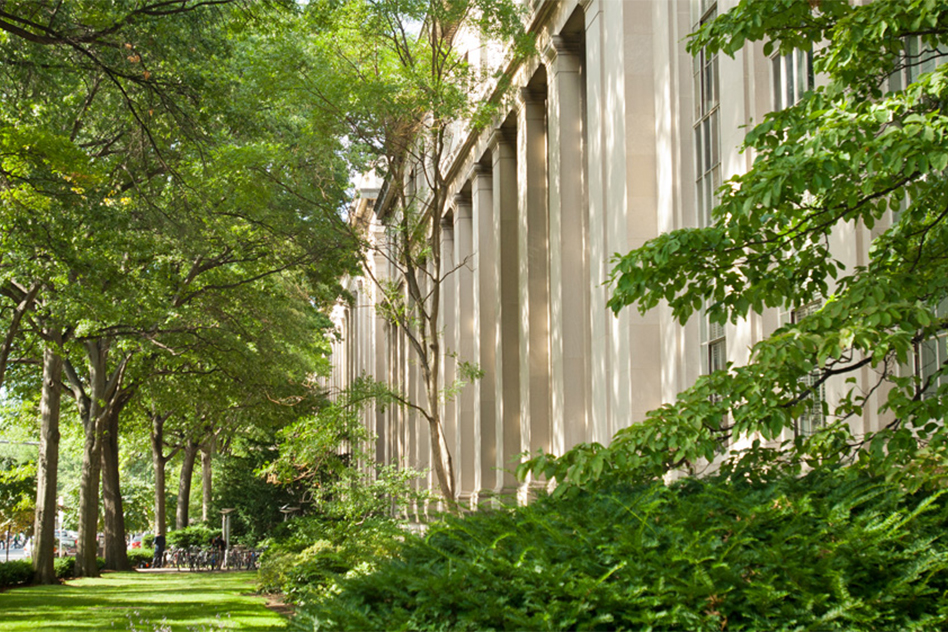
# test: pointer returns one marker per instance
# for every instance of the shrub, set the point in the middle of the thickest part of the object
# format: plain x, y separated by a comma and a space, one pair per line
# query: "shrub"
195, 535
141, 558
315, 553
66, 566
834, 549
16, 573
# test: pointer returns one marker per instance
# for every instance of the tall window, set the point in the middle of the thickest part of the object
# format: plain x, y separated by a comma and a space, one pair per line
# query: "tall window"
917, 59
812, 417
715, 344
931, 358
792, 77
707, 123
707, 167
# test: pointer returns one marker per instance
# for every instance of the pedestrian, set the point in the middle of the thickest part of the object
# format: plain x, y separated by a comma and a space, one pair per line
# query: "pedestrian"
159, 559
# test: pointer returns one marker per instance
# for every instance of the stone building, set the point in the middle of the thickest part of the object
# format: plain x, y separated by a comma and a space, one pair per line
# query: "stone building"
616, 135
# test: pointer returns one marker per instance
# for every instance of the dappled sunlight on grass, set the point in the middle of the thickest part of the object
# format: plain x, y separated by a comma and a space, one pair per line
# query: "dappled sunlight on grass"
142, 602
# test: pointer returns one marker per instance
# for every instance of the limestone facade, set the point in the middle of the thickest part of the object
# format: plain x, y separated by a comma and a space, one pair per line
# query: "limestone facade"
615, 135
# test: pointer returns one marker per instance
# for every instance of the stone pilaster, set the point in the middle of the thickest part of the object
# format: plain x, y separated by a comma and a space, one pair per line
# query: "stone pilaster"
534, 259
466, 442
507, 374
485, 306
569, 265
448, 325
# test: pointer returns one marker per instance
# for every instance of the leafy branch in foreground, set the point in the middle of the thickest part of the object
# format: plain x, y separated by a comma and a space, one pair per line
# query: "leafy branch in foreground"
848, 154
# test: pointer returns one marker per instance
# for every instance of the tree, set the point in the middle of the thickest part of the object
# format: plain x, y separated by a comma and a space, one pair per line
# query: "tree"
118, 182
17, 495
869, 145
394, 73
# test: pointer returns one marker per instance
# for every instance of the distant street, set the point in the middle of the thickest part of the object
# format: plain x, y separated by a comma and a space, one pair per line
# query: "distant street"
15, 554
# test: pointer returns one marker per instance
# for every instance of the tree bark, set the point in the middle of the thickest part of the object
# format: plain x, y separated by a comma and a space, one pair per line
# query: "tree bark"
25, 299
45, 521
207, 456
159, 460
105, 397
94, 427
184, 484
113, 515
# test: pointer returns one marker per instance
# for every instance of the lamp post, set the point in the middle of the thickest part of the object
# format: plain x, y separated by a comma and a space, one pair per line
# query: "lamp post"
286, 510
225, 525
225, 529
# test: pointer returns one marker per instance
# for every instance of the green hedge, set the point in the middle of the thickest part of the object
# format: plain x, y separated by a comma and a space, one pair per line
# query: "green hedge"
195, 535
16, 573
832, 550
20, 572
140, 558
66, 566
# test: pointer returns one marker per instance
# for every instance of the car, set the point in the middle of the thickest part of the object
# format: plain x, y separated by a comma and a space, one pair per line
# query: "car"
68, 538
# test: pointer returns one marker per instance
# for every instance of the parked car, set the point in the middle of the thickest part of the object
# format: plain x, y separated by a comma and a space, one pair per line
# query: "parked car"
68, 538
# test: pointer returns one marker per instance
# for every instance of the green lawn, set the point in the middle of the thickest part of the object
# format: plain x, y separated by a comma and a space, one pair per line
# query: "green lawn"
144, 602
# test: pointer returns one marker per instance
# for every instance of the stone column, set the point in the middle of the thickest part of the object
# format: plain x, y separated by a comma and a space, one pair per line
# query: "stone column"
448, 324
483, 262
603, 145
382, 352
507, 375
533, 256
463, 249
569, 265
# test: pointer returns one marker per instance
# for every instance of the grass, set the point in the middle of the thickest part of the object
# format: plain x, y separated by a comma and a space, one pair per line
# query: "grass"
143, 602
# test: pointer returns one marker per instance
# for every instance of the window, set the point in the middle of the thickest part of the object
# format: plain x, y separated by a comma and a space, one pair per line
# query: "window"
707, 125
917, 59
812, 417
714, 351
931, 359
792, 77
715, 343
920, 58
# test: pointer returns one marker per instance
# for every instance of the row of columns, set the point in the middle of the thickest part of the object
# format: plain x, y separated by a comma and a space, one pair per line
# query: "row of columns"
519, 300
549, 197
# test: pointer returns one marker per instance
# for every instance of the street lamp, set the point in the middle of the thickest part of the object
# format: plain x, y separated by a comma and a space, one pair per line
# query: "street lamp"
225, 528
286, 510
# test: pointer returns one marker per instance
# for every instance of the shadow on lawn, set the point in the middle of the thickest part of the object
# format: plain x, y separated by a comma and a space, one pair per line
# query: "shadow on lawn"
139, 602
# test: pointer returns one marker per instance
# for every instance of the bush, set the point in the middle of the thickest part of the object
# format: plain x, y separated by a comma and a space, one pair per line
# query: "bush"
834, 549
141, 558
16, 573
315, 553
66, 566
195, 535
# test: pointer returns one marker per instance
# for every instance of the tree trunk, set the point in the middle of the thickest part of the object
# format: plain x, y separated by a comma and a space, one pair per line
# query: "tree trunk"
207, 455
441, 454
184, 484
113, 515
94, 426
159, 460
45, 521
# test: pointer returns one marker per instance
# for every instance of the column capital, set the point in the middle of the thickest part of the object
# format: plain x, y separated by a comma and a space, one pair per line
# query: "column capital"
479, 170
462, 198
497, 138
527, 96
560, 52
447, 221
